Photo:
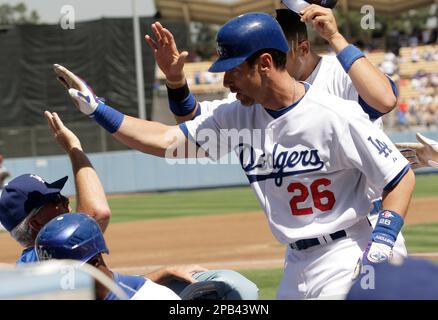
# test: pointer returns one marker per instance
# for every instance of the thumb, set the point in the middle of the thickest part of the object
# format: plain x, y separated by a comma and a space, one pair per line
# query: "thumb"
425, 141
408, 145
432, 163
182, 58
74, 94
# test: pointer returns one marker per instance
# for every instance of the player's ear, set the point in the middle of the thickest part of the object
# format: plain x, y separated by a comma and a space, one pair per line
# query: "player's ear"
303, 48
266, 62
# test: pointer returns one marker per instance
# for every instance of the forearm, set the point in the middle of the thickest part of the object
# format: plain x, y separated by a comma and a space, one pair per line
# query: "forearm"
371, 84
149, 137
390, 220
90, 195
398, 199
161, 276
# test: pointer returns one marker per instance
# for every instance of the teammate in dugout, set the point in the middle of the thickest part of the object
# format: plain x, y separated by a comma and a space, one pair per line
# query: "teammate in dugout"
28, 203
76, 236
311, 170
349, 75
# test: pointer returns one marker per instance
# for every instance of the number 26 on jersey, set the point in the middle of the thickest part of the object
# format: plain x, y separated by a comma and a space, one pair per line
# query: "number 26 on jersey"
322, 199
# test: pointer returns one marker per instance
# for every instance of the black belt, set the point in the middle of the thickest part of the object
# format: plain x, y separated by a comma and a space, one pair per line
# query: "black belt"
307, 243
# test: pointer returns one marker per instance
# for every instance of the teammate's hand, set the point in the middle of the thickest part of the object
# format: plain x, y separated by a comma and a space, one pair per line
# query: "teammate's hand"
185, 272
322, 19
167, 56
82, 95
422, 154
64, 136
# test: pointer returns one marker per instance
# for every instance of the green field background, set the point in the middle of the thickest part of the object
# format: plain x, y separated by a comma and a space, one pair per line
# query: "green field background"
419, 238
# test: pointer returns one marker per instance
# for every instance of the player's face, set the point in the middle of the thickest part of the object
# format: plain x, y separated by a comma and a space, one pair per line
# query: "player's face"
48, 212
242, 80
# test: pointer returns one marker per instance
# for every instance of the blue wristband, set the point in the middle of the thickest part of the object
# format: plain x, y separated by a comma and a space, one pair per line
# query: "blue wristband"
181, 100
387, 228
183, 107
348, 56
110, 119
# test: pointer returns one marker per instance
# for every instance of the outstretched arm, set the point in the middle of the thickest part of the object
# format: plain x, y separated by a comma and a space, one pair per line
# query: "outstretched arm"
90, 195
146, 136
151, 137
373, 86
171, 62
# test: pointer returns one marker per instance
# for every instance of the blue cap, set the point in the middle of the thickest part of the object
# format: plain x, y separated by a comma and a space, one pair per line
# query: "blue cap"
241, 37
23, 194
414, 279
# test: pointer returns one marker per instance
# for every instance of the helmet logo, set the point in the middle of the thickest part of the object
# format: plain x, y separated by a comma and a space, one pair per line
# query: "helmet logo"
37, 178
222, 51
43, 254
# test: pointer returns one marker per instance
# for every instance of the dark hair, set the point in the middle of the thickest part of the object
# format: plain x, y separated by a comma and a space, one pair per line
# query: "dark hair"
294, 29
278, 57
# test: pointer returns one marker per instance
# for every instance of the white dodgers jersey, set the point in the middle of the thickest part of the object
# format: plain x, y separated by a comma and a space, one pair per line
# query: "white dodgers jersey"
309, 167
328, 76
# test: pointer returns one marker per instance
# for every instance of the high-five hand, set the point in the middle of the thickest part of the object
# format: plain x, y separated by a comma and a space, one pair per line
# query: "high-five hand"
82, 95
167, 56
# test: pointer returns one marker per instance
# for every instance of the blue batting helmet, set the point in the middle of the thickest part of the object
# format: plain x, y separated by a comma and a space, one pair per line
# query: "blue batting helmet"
73, 236
243, 36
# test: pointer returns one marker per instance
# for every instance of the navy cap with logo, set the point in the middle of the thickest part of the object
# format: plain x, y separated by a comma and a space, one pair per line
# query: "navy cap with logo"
414, 279
242, 36
23, 194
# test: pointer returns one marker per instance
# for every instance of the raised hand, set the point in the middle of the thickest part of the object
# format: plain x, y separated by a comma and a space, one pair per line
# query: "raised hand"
167, 56
322, 19
64, 136
83, 96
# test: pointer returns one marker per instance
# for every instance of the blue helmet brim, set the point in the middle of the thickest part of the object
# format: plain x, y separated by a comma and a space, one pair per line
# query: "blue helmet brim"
225, 64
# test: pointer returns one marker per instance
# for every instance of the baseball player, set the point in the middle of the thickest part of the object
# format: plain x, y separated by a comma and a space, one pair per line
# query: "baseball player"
422, 154
349, 75
28, 201
310, 157
77, 236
